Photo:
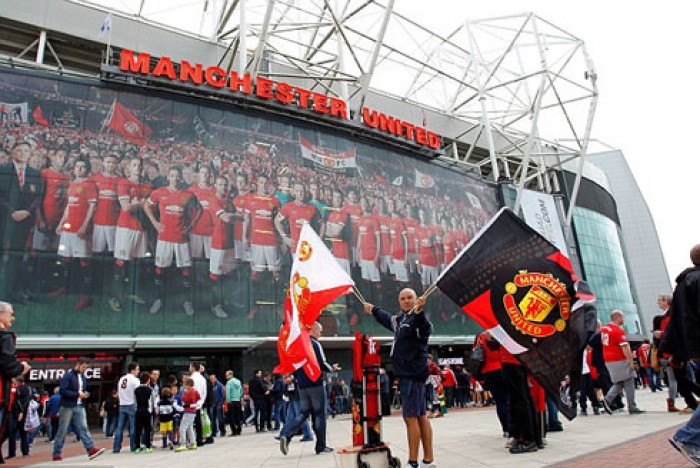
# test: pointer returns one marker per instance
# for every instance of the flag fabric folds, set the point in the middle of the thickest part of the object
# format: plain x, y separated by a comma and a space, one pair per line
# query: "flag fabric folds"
128, 125
106, 27
39, 117
315, 281
517, 285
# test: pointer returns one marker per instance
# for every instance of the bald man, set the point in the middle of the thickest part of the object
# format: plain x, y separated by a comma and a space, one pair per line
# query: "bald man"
411, 329
619, 361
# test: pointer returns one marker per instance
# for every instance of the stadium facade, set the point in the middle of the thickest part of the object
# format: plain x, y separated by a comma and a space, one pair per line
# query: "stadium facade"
274, 119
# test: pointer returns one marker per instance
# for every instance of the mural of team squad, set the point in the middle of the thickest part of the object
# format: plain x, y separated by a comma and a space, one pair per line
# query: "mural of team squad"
181, 204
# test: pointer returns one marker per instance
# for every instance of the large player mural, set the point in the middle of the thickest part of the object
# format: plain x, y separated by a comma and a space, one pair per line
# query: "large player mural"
125, 213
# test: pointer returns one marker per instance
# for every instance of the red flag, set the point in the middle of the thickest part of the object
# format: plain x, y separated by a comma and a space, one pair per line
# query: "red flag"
297, 353
39, 117
316, 280
127, 125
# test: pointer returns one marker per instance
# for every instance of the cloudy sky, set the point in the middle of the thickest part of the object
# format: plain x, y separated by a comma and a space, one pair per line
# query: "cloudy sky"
647, 58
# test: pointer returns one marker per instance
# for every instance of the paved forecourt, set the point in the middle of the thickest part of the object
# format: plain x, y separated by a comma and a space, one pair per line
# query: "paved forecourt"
470, 437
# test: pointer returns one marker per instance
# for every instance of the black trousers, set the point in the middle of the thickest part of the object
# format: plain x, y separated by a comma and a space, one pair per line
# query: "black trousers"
686, 387
260, 413
520, 406
143, 428
235, 416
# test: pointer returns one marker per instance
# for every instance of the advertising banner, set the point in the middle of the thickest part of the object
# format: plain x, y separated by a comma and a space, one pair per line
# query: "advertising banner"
157, 216
333, 160
541, 214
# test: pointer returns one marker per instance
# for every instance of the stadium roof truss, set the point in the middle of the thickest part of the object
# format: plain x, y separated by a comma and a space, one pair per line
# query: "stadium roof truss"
518, 92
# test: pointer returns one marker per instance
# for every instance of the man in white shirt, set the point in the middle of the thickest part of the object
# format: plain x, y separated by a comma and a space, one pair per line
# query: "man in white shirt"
200, 384
127, 407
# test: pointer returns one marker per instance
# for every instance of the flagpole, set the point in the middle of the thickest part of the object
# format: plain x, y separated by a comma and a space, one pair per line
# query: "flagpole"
108, 119
109, 38
430, 289
358, 295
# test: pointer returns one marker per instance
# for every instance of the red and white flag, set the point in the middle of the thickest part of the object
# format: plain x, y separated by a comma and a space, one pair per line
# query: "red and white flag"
424, 181
128, 125
316, 280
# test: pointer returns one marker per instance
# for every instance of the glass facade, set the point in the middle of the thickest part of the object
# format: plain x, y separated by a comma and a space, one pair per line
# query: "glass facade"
132, 214
604, 266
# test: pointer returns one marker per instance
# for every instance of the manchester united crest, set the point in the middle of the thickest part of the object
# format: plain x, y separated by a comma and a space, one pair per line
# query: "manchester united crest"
305, 251
530, 300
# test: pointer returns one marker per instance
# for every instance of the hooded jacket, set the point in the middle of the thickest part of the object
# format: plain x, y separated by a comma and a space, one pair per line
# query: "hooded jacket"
682, 336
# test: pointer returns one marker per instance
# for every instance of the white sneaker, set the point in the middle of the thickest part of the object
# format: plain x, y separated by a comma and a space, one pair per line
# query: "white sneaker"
189, 310
219, 312
428, 465
156, 306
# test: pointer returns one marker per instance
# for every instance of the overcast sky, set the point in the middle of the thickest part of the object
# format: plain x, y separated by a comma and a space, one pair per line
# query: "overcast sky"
646, 55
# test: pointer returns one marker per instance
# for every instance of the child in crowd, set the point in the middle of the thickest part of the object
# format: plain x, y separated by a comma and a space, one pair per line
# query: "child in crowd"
143, 395
190, 397
166, 413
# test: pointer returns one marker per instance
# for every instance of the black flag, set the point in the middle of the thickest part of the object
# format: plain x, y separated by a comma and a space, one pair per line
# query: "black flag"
516, 284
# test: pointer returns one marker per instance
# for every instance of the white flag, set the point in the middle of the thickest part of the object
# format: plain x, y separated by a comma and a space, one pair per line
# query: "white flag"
106, 27
424, 180
398, 181
474, 200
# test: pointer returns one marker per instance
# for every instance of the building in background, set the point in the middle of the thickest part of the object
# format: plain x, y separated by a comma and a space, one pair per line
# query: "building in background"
350, 112
645, 262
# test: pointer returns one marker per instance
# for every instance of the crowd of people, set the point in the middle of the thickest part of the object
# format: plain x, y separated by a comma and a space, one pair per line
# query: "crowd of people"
222, 215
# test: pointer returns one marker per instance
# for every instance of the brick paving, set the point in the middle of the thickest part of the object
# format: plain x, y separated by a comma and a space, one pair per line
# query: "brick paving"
652, 451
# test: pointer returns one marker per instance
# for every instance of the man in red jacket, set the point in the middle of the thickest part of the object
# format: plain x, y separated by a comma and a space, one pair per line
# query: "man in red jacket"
449, 383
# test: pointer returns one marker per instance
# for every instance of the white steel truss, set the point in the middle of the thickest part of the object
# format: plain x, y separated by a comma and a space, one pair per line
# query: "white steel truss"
518, 85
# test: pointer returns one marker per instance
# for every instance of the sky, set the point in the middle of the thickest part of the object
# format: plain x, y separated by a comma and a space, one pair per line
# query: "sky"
647, 57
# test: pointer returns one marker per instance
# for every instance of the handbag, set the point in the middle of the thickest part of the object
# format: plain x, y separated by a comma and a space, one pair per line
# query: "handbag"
655, 364
476, 360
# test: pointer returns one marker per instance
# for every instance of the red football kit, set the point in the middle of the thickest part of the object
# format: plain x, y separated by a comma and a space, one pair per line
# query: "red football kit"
385, 236
296, 213
204, 225
130, 191
240, 203
368, 227
643, 353
55, 190
449, 246
354, 212
613, 337
340, 247
107, 211
426, 249
262, 211
80, 195
176, 208
397, 230
411, 225
221, 237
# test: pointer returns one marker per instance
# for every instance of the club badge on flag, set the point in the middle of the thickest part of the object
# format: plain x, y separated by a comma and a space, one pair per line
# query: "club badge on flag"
316, 280
128, 125
517, 285
424, 181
